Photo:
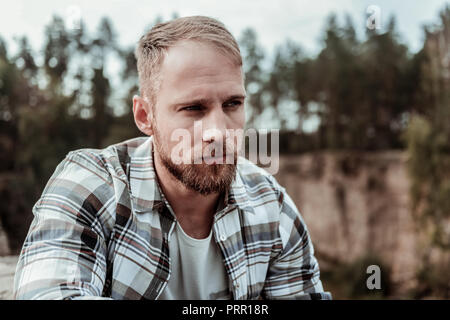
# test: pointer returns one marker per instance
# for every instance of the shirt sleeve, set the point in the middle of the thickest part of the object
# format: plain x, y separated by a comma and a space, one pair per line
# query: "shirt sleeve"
65, 251
294, 273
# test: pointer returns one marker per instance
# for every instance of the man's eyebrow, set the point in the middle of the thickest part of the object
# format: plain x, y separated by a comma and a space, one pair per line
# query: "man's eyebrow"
236, 96
205, 101
190, 103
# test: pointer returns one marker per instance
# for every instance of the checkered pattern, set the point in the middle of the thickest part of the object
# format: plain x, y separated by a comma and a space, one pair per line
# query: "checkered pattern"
101, 230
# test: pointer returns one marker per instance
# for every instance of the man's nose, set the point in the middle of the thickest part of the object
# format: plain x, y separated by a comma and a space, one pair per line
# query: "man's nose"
214, 126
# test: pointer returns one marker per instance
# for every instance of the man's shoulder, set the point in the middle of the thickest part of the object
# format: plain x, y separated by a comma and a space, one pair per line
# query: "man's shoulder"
266, 194
260, 185
96, 166
252, 174
123, 149
110, 156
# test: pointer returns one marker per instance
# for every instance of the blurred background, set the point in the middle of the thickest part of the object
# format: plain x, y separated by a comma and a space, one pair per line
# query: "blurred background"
359, 90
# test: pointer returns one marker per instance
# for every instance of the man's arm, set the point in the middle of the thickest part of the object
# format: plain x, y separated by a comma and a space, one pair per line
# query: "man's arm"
294, 274
64, 253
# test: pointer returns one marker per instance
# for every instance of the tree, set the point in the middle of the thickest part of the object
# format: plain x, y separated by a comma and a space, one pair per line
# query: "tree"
428, 138
386, 98
253, 56
339, 91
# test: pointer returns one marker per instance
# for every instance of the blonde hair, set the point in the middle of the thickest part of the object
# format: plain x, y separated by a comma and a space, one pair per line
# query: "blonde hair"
154, 44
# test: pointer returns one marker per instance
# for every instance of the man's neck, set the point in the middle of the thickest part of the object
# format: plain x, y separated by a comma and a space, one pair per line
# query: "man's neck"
194, 211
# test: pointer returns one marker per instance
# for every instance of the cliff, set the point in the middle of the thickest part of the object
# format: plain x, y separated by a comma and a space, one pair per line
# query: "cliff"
356, 205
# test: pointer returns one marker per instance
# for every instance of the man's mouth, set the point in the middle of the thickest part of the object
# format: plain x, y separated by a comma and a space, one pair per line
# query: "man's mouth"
215, 160
220, 159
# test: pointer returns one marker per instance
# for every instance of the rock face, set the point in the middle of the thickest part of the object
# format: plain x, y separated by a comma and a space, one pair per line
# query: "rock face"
356, 204
353, 204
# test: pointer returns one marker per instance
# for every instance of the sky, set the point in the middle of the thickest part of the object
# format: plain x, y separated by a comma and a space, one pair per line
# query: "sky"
274, 21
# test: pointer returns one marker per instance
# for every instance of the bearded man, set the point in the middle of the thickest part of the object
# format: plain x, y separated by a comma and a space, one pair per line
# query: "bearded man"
141, 220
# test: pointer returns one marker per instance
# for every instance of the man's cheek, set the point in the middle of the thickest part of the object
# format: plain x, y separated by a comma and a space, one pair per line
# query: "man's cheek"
180, 147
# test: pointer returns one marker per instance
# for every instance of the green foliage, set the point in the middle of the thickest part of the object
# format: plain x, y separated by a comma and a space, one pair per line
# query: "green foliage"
361, 90
253, 56
48, 110
428, 141
433, 281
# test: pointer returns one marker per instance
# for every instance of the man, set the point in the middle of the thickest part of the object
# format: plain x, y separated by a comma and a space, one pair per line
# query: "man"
133, 222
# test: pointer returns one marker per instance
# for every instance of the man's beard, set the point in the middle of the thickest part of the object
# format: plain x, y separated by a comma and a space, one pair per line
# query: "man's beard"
202, 178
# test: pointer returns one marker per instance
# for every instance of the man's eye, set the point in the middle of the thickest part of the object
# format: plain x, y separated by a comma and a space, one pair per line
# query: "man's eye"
233, 104
192, 108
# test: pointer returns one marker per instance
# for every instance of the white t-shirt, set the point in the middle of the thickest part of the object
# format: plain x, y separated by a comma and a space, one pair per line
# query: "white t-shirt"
198, 271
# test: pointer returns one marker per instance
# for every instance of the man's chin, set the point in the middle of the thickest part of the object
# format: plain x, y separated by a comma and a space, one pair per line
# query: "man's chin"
209, 179
203, 178
213, 169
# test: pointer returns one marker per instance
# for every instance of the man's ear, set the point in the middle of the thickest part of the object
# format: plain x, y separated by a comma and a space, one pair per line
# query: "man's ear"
142, 112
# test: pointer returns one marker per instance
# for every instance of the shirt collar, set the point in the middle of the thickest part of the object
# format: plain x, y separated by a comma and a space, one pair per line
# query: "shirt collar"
145, 191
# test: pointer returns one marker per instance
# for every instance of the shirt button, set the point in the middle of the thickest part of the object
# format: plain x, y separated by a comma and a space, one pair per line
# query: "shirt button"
223, 237
237, 285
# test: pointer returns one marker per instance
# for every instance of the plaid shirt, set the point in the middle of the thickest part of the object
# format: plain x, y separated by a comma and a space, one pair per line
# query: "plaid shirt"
101, 229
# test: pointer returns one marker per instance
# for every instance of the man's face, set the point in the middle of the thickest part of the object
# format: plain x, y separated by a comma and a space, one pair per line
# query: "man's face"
199, 83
